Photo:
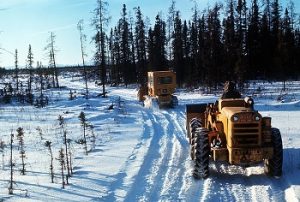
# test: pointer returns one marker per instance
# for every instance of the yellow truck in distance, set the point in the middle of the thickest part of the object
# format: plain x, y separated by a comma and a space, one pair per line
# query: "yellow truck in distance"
159, 91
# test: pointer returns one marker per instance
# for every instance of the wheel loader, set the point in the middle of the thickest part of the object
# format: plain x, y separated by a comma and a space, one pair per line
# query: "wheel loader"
231, 130
159, 90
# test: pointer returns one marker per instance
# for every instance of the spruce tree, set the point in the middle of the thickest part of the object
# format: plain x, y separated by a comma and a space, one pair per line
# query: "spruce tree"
157, 45
61, 159
241, 23
141, 47
170, 31
48, 144
30, 69
17, 70
213, 42
229, 41
20, 136
117, 55
178, 49
124, 46
186, 46
287, 48
100, 21
132, 53
64, 135
84, 124
253, 42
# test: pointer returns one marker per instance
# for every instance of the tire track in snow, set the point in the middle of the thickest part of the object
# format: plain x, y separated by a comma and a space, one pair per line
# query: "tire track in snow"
165, 171
190, 189
147, 183
222, 185
227, 183
179, 183
263, 187
235, 183
175, 171
119, 187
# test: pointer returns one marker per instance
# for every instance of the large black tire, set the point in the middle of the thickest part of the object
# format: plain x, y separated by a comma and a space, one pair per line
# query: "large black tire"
273, 166
192, 151
174, 102
201, 156
194, 124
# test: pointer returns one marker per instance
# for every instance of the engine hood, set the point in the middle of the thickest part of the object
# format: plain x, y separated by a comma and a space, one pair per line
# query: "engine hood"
241, 114
230, 111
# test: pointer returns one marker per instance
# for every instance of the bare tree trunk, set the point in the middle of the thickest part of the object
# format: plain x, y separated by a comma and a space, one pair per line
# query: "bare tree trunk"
48, 144
84, 136
54, 62
82, 38
10, 189
70, 156
67, 158
63, 130
51, 166
17, 69
62, 164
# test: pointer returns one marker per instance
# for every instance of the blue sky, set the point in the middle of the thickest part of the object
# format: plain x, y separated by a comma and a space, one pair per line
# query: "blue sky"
24, 22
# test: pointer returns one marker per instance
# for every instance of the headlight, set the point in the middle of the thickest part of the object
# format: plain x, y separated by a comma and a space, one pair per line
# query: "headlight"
235, 118
256, 118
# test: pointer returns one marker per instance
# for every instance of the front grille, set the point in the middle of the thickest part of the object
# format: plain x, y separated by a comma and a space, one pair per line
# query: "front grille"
246, 134
164, 91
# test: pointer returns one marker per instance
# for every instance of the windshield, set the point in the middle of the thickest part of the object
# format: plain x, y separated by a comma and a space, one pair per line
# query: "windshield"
165, 80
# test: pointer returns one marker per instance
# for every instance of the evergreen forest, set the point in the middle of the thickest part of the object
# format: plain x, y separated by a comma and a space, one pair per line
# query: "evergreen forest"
236, 40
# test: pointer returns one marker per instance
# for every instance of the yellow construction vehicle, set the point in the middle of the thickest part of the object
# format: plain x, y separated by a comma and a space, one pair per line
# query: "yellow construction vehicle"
159, 91
231, 130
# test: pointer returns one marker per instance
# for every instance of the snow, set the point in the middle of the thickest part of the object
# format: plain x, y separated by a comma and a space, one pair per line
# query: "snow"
140, 154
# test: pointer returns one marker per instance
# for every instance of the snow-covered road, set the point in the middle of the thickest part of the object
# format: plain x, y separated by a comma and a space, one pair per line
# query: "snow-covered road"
166, 172
141, 154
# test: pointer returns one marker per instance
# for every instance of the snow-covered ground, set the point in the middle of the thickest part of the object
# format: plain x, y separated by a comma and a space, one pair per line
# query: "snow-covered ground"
139, 154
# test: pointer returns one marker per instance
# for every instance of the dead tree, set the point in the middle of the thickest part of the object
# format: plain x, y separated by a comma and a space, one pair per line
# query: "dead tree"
83, 54
70, 155
50, 48
17, 69
10, 188
2, 147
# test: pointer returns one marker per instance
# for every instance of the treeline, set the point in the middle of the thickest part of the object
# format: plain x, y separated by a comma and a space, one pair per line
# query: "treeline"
237, 40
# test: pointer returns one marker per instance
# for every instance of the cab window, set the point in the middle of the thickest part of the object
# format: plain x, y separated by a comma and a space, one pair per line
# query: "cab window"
165, 80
